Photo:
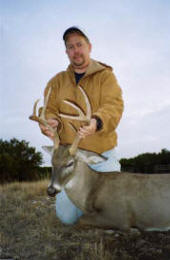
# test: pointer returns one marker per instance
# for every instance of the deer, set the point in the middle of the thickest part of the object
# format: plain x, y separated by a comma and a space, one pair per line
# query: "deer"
115, 200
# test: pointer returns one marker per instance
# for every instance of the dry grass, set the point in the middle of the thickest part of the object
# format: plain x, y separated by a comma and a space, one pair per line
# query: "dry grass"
29, 229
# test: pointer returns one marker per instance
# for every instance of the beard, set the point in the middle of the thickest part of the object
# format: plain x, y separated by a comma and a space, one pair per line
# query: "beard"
78, 61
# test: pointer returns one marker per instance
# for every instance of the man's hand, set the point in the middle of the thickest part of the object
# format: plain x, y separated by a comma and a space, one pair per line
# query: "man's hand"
88, 130
53, 123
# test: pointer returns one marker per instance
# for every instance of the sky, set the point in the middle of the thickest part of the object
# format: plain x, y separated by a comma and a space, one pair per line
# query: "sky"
132, 36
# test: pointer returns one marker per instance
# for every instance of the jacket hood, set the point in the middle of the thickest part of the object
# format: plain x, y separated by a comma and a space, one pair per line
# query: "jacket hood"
93, 67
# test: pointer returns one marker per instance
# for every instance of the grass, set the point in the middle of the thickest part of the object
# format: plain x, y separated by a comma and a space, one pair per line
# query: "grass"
29, 229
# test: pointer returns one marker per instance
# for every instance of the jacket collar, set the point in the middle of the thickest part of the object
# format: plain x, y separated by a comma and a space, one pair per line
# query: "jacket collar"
93, 67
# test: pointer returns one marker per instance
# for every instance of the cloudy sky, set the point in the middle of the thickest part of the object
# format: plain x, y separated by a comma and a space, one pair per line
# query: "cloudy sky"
132, 36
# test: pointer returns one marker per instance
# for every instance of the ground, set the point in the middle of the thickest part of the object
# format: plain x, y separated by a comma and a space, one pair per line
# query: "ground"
29, 229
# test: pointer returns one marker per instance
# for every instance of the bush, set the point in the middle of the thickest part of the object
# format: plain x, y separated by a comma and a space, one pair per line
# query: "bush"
18, 161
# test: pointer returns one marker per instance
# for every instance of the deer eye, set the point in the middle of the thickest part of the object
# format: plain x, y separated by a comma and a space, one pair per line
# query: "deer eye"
69, 164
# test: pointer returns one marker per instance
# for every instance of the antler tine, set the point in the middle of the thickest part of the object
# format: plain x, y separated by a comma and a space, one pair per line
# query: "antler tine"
88, 115
42, 120
73, 147
45, 104
34, 116
73, 127
56, 140
81, 117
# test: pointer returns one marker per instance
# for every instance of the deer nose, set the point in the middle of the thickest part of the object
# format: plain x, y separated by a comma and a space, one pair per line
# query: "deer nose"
51, 191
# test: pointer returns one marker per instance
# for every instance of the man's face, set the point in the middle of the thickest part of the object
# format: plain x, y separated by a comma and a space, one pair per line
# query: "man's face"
78, 51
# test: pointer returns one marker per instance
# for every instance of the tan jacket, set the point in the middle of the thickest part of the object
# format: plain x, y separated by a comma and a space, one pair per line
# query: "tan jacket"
106, 101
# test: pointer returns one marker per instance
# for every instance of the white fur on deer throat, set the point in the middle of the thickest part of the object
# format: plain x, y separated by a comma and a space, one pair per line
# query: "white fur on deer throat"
68, 169
72, 182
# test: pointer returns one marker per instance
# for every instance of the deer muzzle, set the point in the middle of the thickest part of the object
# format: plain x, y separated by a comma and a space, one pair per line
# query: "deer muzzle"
52, 191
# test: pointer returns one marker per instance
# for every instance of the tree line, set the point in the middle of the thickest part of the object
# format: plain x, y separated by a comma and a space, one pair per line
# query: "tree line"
21, 162
148, 163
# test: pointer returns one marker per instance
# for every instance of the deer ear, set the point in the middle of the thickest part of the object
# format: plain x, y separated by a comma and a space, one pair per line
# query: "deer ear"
95, 159
90, 159
48, 149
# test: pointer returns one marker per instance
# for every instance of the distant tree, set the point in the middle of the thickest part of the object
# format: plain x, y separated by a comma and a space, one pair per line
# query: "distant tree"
18, 161
164, 156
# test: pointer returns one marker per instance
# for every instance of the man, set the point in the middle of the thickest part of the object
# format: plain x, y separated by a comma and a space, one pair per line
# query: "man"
100, 85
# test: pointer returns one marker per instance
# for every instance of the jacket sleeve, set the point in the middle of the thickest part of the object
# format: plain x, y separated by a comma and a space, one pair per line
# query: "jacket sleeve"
111, 102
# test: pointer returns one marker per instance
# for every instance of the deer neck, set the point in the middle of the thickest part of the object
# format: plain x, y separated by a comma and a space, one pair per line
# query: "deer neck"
80, 185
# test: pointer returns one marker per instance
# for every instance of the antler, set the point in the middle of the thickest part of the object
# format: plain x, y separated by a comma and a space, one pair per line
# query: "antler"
42, 120
81, 117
